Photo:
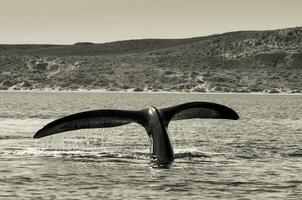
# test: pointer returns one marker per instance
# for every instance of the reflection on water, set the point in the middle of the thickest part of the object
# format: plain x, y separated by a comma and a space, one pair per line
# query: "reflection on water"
257, 157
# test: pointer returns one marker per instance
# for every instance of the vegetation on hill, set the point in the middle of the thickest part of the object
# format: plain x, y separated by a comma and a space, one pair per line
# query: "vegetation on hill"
247, 61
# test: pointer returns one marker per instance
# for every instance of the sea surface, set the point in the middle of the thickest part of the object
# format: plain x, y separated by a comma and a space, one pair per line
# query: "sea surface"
256, 157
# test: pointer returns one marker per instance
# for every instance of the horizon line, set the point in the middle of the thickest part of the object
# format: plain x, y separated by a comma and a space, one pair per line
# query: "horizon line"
164, 38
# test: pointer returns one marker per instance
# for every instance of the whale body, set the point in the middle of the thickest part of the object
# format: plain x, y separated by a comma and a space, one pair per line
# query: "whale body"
154, 120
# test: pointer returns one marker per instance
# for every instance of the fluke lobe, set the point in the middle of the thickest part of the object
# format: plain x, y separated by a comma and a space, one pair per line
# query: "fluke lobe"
154, 120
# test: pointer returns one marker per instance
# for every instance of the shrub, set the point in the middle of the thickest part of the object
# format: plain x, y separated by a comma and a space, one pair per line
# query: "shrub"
138, 89
198, 90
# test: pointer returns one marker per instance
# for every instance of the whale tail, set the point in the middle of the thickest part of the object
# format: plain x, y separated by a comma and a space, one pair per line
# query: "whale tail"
197, 110
90, 119
155, 121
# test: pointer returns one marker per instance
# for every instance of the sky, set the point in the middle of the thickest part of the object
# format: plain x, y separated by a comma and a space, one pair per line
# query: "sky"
71, 21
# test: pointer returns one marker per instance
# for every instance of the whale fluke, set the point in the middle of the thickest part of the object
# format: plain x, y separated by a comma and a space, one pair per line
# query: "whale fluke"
88, 120
197, 110
154, 120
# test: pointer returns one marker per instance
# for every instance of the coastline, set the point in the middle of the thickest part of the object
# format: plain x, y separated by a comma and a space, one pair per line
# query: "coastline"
49, 90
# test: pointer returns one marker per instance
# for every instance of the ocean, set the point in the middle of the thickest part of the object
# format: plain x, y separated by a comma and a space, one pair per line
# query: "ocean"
256, 157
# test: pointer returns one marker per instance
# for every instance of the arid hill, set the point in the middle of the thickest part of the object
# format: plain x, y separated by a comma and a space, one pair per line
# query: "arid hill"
245, 61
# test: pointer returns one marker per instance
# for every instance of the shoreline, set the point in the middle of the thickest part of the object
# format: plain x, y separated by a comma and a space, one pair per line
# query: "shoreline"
130, 91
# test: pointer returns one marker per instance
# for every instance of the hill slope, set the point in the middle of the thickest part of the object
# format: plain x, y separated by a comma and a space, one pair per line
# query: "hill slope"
247, 61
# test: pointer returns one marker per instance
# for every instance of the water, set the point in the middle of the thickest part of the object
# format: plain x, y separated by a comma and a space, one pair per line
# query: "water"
257, 157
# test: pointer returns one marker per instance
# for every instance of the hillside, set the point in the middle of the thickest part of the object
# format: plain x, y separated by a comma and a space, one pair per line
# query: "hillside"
245, 61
